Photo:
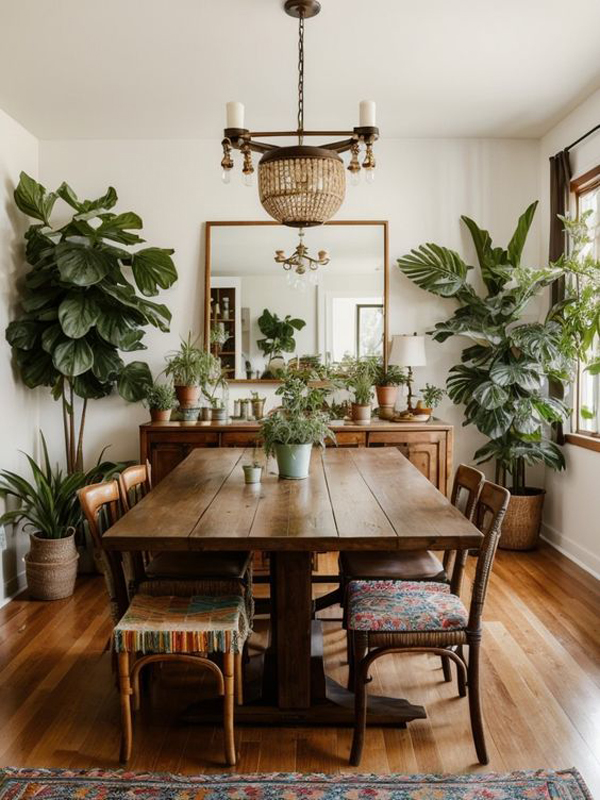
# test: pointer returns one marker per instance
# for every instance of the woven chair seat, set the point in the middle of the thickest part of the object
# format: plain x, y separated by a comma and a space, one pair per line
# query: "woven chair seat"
197, 624
404, 607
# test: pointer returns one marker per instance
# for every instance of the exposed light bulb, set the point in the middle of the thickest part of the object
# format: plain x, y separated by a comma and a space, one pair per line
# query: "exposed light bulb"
354, 178
226, 176
248, 179
370, 175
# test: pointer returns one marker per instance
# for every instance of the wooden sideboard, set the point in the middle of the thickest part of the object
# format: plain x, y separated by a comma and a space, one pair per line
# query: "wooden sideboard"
426, 445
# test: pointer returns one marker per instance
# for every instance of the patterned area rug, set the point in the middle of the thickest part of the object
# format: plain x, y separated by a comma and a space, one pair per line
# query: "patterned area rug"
50, 784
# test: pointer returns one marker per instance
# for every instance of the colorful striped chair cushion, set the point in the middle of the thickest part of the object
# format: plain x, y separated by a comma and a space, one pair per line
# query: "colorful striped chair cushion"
198, 624
402, 606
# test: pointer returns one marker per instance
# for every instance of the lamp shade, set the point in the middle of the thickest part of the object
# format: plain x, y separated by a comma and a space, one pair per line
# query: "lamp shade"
407, 351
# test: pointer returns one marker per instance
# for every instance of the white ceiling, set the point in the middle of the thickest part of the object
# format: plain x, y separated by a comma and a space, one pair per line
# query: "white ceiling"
164, 68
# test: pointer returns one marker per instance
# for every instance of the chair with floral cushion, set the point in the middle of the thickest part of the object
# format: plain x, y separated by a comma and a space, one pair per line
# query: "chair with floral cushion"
414, 565
180, 629
387, 617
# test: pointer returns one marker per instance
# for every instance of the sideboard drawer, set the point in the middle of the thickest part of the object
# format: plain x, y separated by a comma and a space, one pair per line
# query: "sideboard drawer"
239, 439
348, 439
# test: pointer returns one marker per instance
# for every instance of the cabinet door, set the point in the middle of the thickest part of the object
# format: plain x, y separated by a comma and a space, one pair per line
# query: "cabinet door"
240, 439
427, 450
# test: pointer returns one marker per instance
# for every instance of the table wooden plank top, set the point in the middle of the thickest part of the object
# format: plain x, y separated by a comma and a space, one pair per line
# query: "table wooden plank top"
354, 499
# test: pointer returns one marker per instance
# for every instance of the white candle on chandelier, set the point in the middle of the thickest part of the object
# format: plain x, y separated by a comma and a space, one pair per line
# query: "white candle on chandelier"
367, 114
235, 114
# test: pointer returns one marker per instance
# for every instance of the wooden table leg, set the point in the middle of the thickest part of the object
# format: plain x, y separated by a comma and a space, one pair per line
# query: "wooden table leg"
292, 628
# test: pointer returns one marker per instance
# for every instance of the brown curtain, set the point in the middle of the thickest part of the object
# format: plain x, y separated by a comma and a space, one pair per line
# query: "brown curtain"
560, 178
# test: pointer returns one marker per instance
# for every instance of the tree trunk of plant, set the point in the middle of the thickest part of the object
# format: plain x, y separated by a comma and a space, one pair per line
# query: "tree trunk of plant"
79, 460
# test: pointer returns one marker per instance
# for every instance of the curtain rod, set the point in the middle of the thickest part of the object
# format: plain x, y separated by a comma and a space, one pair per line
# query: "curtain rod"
581, 138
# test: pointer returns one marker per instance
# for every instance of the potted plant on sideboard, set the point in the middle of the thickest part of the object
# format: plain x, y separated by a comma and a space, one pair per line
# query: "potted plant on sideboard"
387, 380
190, 368
505, 372
431, 397
290, 432
160, 399
359, 377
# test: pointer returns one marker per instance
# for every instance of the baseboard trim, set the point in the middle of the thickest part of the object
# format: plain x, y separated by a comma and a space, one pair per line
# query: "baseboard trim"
12, 588
581, 556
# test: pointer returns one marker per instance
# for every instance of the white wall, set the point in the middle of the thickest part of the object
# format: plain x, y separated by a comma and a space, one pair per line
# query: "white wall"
572, 513
422, 187
19, 407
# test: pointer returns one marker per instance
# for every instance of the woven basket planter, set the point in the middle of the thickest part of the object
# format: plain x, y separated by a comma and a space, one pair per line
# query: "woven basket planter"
521, 525
51, 567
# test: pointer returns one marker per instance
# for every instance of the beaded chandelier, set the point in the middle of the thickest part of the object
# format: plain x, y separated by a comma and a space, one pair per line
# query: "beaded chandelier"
300, 186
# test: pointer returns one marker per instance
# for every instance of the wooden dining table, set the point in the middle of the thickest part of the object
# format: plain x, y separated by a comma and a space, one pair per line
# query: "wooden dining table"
353, 499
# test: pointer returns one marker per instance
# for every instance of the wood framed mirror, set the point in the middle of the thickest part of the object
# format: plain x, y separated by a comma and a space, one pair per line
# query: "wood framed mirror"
337, 309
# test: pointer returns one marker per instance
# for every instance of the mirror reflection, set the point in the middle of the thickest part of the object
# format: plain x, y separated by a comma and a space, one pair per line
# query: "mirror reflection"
278, 294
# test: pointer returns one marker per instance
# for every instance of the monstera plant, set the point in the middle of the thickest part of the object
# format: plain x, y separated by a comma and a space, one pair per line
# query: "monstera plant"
504, 373
80, 305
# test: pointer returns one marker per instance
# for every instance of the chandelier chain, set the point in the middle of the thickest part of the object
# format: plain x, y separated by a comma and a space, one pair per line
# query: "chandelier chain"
301, 78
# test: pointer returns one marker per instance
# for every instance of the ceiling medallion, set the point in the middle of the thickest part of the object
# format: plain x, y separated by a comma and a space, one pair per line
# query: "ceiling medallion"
300, 186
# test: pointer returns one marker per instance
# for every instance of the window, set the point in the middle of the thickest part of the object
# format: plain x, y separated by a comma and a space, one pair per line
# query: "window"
587, 412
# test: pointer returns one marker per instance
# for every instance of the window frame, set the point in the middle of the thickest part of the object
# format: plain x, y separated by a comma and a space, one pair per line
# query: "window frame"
579, 186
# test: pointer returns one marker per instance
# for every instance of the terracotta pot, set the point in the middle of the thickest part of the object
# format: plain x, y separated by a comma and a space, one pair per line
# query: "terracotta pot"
188, 395
51, 567
160, 415
361, 413
521, 525
387, 395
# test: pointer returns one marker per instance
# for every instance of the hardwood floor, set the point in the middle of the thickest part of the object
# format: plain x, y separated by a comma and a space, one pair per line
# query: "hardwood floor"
541, 683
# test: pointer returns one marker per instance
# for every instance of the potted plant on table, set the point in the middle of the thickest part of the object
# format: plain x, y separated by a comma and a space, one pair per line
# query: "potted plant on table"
506, 370
279, 339
253, 471
50, 508
359, 377
160, 399
290, 432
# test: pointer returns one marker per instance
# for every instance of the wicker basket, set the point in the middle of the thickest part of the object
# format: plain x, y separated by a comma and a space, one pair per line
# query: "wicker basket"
521, 525
51, 567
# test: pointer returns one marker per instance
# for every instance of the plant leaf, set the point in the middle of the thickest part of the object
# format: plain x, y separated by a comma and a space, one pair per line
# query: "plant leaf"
517, 243
153, 267
23, 333
134, 380
107, 362
33, 199
73, 357
435, 269
489, 395
80, 264
525, 375
77, 313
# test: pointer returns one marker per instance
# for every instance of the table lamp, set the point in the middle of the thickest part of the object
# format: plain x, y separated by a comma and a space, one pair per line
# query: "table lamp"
408, 351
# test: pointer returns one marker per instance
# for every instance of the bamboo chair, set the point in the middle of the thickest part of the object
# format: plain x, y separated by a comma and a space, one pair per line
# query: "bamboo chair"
415, 565
386, 618
152, 625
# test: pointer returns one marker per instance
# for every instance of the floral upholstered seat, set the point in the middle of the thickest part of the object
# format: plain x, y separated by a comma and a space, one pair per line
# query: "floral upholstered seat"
197, 624
404, 607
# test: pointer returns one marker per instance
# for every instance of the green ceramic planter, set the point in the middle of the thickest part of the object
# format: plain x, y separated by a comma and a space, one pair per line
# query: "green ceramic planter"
293, 460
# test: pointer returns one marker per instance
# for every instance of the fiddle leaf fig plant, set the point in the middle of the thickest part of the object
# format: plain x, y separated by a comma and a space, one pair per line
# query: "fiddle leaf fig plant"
80, 307
503, 376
